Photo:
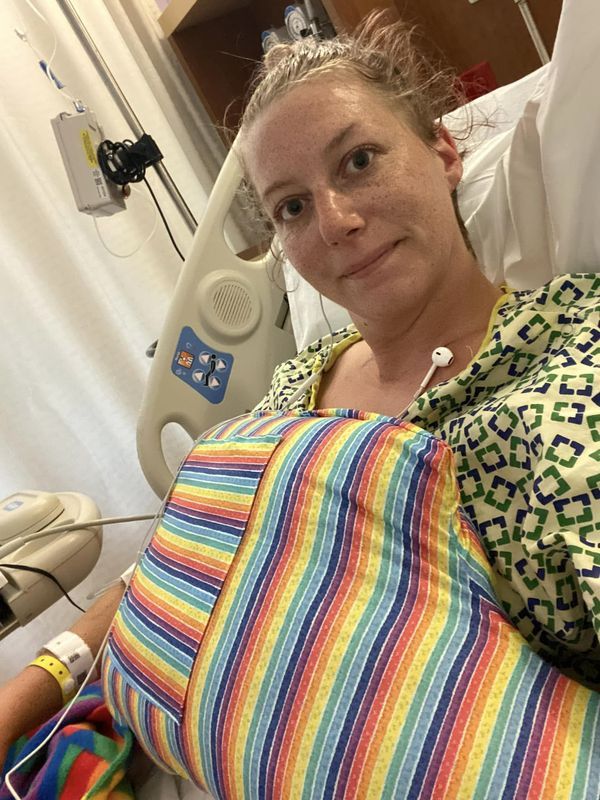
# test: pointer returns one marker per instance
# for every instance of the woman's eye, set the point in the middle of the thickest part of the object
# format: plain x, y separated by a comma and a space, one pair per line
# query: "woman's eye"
360, 159
290, 209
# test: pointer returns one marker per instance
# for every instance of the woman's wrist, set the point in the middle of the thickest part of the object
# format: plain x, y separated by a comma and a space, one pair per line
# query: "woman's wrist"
34, 695
28, 700
72, 652
94, 624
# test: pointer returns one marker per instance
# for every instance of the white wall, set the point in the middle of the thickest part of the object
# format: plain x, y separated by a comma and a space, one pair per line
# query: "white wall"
75, 321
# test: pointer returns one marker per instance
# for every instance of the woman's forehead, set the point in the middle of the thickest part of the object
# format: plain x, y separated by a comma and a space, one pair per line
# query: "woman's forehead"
315, 114
327, 95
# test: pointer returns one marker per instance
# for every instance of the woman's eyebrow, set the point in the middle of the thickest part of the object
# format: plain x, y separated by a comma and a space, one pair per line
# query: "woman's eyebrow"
331, 145
339, 137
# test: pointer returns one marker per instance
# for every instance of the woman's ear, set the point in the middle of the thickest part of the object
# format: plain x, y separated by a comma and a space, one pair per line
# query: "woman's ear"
445, 147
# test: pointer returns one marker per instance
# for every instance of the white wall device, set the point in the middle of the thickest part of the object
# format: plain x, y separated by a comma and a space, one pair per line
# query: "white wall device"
78, 136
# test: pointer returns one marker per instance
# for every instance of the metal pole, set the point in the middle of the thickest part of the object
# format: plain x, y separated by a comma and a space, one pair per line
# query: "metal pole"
533, 31
532, 28
116, 93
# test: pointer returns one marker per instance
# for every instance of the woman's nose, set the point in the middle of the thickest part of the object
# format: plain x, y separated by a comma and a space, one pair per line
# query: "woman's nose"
338, 216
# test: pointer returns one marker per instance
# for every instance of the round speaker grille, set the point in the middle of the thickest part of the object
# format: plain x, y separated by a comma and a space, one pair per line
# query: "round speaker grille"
229, 305
232, 305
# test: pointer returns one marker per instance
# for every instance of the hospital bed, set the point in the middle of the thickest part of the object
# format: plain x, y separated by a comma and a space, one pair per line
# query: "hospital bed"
526, 204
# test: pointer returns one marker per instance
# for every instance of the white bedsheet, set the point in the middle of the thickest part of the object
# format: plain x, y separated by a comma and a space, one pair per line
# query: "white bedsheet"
538, 215
162, 786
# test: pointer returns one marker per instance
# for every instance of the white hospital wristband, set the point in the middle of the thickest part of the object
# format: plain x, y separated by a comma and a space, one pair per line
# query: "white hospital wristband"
73, 652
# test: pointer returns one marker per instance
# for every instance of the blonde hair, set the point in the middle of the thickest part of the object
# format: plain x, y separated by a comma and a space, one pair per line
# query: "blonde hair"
385, 56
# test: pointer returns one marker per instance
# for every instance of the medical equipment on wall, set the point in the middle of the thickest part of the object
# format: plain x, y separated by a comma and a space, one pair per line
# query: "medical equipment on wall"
273, 37
300, 21
296, 23
100, 171
89, 167
31, 539
121, 101
318, 20
78, 137
225, 331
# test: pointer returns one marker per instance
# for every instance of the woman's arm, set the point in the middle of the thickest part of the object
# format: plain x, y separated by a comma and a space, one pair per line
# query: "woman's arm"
33, 696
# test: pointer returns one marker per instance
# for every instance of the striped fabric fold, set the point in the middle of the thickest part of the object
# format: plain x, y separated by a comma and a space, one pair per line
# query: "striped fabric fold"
162, 619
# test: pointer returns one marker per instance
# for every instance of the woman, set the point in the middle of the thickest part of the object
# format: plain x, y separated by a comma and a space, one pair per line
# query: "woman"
362, 199
363, 206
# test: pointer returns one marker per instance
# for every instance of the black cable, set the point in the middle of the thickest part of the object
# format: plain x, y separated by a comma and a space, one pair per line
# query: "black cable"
47, 575
125, 162
162, 216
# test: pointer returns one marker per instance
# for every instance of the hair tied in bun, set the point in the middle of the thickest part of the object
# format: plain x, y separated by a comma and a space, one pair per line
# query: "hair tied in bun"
276, 54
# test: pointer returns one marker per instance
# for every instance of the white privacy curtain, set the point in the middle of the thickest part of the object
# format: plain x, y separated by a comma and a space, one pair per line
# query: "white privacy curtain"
76, 321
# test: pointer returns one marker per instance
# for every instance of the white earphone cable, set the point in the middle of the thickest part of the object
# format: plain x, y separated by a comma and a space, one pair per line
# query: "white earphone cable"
441, 357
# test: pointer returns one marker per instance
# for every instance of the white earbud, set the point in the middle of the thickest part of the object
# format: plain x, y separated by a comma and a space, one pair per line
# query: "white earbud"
441, 357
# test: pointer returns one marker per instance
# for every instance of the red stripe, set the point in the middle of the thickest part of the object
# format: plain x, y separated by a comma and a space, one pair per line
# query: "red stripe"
212, 567
82, 775
274, 584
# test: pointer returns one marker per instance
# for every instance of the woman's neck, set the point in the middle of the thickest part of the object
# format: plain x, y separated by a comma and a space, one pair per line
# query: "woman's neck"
457, 316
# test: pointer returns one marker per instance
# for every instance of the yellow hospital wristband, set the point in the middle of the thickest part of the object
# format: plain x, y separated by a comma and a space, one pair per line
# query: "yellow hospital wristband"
60, 674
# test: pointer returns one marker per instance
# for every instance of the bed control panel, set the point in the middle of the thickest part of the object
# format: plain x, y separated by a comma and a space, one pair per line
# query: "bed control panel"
204, 368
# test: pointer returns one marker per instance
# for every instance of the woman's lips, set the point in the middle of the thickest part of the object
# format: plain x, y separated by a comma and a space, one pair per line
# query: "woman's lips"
370, 263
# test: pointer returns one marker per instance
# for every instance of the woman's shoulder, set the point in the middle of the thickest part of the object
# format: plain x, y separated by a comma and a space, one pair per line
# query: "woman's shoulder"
572, 299
322, 344
577, 289
313, 355
289, 374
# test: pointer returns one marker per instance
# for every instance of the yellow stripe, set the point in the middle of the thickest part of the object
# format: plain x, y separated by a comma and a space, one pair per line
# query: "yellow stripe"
479, 743
409, 674
195, 550
572, 746
180, 609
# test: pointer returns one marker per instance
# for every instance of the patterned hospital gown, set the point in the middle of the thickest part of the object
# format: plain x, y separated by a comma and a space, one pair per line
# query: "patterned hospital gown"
523, 420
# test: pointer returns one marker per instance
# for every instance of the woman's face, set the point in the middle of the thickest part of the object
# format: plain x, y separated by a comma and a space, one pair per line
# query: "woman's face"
361, 204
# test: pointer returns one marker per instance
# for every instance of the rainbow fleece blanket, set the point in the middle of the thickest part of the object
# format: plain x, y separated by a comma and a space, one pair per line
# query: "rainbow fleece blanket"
87, 758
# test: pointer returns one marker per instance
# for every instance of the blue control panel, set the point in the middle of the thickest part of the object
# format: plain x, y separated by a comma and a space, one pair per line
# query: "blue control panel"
201, 366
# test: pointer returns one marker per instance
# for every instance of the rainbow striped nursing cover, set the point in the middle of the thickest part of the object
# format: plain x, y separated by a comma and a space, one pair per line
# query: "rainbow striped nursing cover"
315, 618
